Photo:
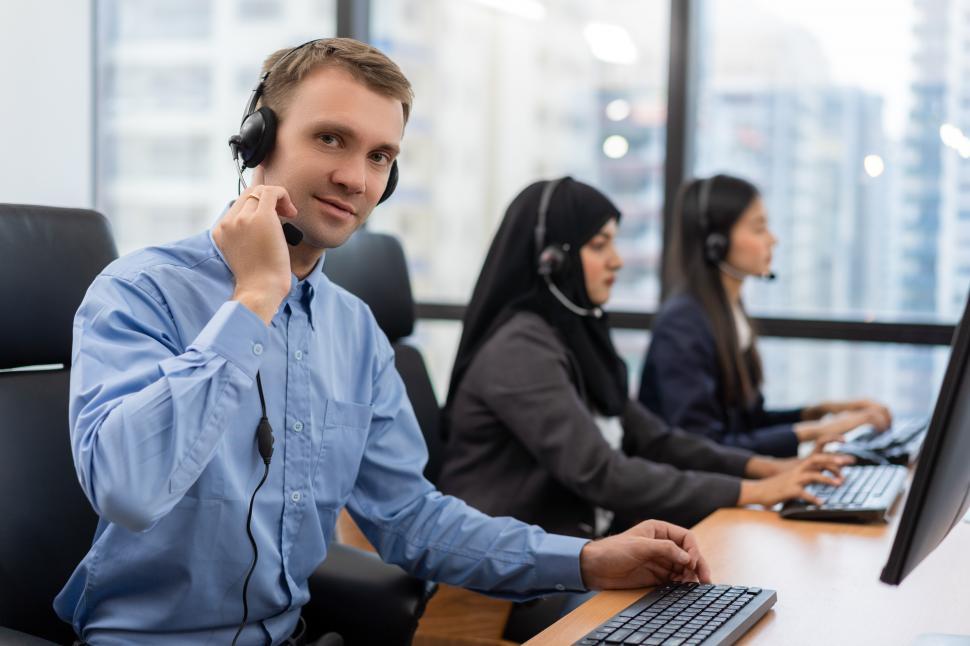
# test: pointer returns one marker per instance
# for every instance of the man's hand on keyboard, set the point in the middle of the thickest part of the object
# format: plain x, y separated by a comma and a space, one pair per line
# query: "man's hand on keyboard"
794, 475
650, 553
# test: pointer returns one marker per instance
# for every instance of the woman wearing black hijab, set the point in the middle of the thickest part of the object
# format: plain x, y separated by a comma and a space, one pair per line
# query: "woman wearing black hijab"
540, 423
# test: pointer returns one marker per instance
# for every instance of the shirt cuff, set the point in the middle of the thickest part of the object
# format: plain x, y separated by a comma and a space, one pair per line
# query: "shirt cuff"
557, 564
237, 334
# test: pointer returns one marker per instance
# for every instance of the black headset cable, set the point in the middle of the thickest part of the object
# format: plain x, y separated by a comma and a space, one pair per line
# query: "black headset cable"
264, 440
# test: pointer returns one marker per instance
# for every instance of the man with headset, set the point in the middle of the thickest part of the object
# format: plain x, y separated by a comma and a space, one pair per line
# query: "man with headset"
186, 354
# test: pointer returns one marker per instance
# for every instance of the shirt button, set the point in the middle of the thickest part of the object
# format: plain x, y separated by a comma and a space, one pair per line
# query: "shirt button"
560, 587
298, 354
257, 349
295, 496
297, 426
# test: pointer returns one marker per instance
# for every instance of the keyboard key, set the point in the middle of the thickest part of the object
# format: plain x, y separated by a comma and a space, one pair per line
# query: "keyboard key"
635, 638
618, 636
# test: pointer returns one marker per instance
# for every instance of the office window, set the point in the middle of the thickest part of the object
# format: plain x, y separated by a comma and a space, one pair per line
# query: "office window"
848, 118
855, 135
438, 342
511, 92
905, 377
507, 93
173, 79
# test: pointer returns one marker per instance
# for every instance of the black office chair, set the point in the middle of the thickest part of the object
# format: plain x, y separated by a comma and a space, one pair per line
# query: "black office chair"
48, 257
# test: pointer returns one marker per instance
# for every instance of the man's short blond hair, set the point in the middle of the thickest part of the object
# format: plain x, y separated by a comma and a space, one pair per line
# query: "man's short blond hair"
365, 63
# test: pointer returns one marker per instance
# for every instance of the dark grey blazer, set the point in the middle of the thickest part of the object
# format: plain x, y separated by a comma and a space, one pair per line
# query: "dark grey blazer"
523, 443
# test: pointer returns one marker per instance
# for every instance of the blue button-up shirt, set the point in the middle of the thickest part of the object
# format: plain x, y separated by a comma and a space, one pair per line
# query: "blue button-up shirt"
163, 416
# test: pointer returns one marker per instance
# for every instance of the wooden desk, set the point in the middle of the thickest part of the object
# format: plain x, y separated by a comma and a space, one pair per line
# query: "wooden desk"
827, 578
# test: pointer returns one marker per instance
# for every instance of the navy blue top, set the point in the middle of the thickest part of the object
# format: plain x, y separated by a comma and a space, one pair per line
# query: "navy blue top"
681, 383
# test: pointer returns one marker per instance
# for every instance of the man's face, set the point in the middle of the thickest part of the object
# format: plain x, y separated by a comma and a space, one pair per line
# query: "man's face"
334, 147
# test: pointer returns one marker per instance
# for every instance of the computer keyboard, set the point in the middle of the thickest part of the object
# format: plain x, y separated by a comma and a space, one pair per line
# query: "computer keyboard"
679, 614
866, 495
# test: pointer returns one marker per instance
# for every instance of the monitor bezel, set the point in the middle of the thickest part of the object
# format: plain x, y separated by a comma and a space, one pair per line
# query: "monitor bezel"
897, 566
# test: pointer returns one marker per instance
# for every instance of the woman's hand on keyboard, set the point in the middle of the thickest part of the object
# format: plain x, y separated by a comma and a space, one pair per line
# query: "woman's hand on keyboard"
875, 413
649, 553
822, 468
835, 426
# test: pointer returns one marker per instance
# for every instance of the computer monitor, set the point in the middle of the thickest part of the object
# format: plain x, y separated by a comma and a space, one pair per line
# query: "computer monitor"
940, 493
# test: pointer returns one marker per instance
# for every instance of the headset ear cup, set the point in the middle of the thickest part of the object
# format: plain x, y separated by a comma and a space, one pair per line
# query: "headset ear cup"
391, 183
715, 248
257, 134
552, 261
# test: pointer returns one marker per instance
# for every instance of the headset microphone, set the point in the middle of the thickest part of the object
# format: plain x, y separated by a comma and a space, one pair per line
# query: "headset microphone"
594, 312
293, 235
734, 272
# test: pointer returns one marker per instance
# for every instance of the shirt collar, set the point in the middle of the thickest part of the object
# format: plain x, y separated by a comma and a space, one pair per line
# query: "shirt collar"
304, 291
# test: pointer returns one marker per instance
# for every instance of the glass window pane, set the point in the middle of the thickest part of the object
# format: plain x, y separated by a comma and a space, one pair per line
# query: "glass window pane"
851, 119
508, 92
173, 79
437, 340
800, 372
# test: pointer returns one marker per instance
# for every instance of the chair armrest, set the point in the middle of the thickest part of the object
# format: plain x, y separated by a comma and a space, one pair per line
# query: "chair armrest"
10, 637
356, 594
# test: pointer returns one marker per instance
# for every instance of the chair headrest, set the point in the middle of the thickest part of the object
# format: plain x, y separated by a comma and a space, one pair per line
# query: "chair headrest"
372, 267
48, 258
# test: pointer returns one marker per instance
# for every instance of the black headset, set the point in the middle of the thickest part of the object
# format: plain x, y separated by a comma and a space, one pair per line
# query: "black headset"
257, 130
553, 259
715, 244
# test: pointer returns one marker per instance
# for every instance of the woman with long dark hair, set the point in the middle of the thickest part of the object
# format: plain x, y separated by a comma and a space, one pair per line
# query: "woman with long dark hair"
541, 426
703, 372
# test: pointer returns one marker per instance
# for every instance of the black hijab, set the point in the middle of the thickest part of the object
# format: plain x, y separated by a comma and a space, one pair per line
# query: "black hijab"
509, 283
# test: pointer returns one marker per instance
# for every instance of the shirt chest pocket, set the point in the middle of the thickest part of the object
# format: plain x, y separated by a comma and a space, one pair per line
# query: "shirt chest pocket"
344, 436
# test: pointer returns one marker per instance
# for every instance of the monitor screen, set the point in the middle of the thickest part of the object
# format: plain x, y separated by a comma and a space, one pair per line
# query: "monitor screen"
940, 492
